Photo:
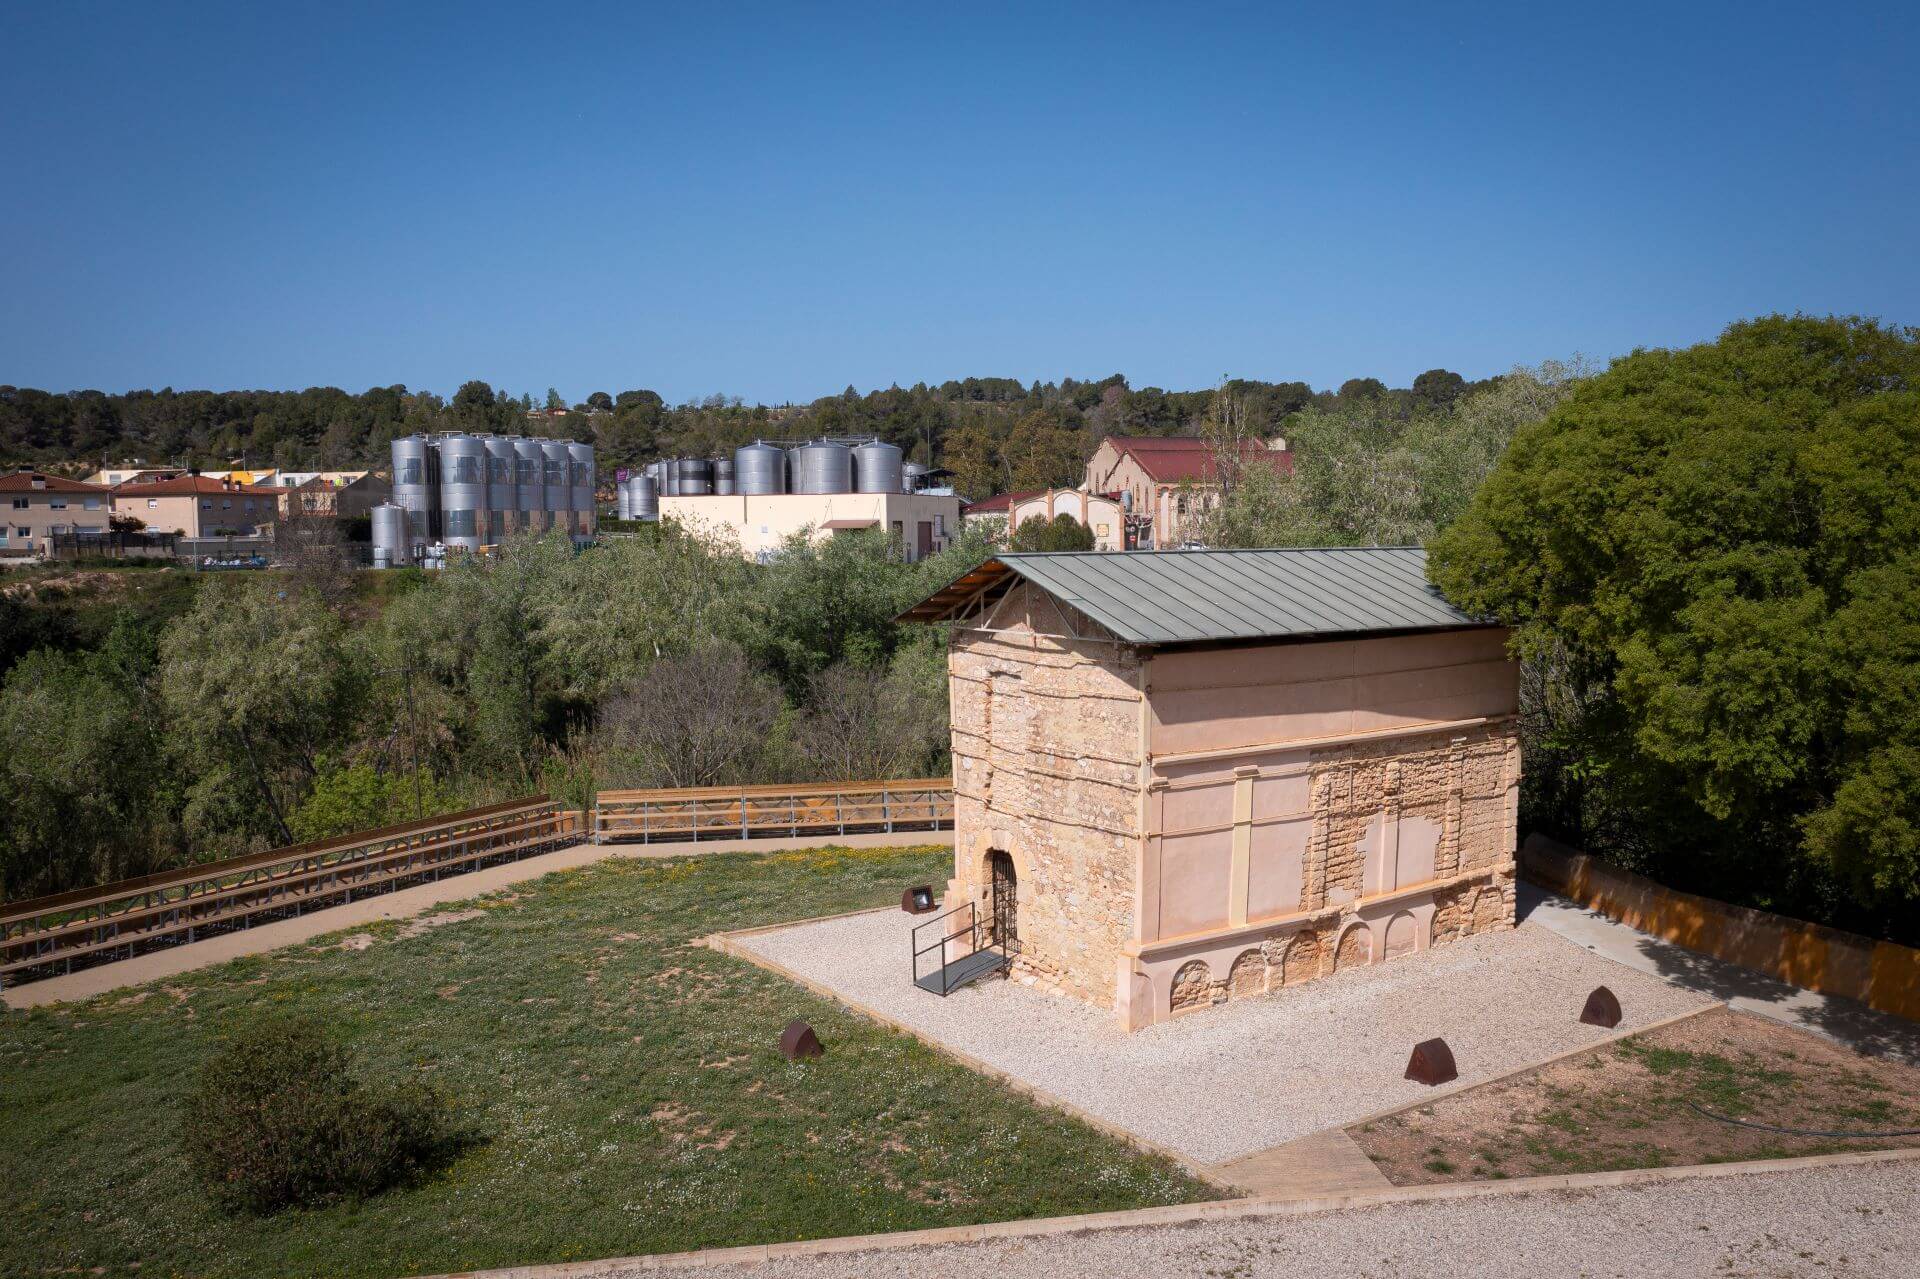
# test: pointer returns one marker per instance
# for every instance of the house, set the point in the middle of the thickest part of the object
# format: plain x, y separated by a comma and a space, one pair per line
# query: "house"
198, 505
132, 472
1168, 479
921, 524
1193, 777
38, 506
343, 494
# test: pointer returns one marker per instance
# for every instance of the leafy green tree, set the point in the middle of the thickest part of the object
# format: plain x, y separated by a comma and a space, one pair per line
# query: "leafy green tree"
1720, 542
1061, 533
255, 686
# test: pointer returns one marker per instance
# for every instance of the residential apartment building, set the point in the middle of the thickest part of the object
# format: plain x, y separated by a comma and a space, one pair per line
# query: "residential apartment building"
38, 506
1168, 480
198, 506
343, 494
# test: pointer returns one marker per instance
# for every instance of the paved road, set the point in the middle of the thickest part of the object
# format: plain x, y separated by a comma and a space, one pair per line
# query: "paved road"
1852, 1221
1841, 1020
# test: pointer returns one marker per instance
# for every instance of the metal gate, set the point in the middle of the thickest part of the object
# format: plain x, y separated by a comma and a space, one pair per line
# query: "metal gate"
1004, 894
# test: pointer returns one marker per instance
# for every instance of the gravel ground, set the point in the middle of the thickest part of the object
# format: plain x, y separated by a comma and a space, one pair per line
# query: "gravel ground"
1829, 1221
1247, 1076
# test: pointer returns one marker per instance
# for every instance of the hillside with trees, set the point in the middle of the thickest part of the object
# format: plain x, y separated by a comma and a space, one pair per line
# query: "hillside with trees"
995, 433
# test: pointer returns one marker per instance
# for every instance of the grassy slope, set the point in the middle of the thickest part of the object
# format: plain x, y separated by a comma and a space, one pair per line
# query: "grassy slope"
627, 1083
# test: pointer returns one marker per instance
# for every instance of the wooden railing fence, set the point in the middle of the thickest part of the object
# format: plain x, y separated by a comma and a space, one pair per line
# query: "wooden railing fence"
748, 812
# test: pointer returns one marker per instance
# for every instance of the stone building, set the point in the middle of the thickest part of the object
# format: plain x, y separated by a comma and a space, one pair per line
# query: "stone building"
1189, 777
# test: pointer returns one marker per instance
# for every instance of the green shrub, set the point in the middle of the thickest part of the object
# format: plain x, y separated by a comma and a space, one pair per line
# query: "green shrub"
277, 1119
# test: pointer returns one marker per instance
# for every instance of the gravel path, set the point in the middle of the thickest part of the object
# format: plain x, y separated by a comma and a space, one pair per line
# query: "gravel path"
1246, 1076
1856, 1221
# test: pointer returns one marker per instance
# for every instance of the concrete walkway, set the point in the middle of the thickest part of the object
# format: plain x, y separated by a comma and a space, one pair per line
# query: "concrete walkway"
1841, 1020
405, 904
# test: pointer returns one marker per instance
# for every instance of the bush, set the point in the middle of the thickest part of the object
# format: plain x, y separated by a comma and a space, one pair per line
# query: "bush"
277, 1119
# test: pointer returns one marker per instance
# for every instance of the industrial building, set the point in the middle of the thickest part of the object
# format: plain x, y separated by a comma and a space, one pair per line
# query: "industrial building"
1199, 776
464, 493
770, 490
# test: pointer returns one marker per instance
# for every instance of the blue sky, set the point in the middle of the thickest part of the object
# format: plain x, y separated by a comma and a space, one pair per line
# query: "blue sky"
777, 202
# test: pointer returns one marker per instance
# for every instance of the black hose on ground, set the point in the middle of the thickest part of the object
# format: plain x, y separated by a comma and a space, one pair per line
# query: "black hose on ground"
1803, 1132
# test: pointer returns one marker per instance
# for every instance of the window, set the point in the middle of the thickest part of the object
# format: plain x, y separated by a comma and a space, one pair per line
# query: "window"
152, 502
93, 504
57, 503
206, 504
22, 532
22, 503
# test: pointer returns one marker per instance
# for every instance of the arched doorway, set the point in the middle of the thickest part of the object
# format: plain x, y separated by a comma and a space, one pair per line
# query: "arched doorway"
1003, 900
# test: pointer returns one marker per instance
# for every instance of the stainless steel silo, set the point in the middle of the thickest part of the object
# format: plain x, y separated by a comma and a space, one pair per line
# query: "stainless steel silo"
693, 477
877, 468
503, 491
555, 485
416, 485
760, 468
623, 499
723, 477
391, 541
530, 498
463, 491
581, 475
821, 467
645, 498
665, 477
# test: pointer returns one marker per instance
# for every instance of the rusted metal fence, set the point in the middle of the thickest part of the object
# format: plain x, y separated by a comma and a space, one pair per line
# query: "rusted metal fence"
747, 812
45, 936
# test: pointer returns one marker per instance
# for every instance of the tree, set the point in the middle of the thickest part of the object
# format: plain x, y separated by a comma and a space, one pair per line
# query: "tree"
700, 718
600, 402
1061, 533
1720, 541
1438, 388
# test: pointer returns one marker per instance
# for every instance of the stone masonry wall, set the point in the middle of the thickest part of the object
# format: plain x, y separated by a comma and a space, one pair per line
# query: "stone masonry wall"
1046, 744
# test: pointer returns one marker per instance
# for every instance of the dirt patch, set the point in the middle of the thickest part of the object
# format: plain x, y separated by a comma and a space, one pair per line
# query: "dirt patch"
1633, 1105
423, 923
685, 1127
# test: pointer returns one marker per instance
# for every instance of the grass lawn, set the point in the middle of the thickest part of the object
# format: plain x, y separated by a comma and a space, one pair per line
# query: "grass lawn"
625, 1084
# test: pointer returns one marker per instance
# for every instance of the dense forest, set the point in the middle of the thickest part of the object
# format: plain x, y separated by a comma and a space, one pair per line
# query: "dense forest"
995, 433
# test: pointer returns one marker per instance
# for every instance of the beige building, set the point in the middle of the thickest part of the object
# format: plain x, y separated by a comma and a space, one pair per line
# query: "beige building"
38, 506
1168, 480
921, 524
198, 506
1189, 777
132, 472
345, 494
1101, 512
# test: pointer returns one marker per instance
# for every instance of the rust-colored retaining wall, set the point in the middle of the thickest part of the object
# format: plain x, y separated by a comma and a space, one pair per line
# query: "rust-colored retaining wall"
1879, 974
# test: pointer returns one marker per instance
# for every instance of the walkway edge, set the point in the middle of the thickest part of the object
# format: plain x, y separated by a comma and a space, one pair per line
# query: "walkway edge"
1177, 1215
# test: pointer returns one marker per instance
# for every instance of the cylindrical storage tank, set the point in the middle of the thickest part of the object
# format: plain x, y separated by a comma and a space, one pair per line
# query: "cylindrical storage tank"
665, 478
463, 491
820, 467
623, 499
693, 477
645, 498
580, 469
556, 488
877, 468
390, 536
416, 482
529, 485
503, 489
759, 469
911, 476
723, 477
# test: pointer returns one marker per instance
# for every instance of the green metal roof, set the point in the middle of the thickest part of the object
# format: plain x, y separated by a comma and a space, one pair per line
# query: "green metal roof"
1190, 597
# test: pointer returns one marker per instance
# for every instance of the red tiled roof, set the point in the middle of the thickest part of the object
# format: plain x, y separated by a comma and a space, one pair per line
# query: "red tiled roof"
998, 502
23, 482
187, 485
1179, 459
